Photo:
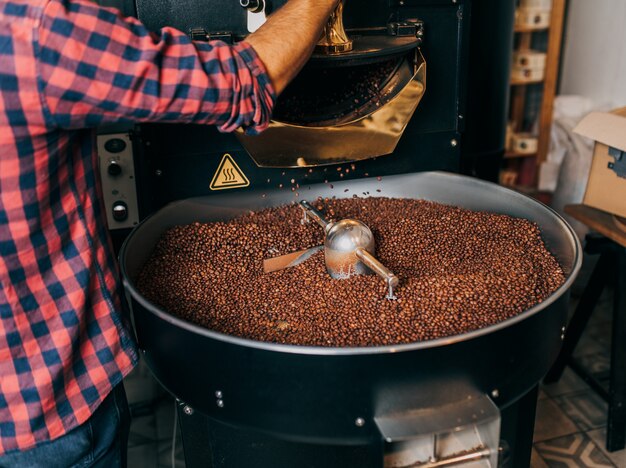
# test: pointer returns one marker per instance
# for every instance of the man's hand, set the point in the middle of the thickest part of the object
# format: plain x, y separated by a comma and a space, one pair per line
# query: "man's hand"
285, 42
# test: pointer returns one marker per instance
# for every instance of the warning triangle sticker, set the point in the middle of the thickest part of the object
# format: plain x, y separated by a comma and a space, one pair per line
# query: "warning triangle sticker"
228, 175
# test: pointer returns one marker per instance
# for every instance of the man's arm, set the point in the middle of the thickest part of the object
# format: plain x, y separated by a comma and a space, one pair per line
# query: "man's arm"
96, 67
285, 42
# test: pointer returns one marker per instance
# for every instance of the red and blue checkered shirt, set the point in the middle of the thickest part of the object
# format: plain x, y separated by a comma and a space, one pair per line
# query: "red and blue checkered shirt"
65, 68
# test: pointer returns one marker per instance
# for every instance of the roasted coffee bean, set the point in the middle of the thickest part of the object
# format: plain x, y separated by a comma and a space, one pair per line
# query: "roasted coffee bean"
459, 271
322, 94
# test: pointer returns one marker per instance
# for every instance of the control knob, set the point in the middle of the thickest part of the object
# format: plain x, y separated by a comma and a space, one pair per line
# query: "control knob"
114, 168
120, 211
254, 6
115, 145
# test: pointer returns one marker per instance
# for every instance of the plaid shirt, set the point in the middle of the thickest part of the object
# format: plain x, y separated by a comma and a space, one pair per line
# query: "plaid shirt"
67, 66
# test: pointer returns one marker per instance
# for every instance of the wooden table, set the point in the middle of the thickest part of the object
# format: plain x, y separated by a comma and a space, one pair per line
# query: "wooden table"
611, 267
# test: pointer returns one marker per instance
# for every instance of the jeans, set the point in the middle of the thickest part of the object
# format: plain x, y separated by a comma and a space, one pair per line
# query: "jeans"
100, 442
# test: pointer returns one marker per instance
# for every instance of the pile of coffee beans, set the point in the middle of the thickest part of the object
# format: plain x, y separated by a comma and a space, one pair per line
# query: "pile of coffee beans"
319, 95
459, 271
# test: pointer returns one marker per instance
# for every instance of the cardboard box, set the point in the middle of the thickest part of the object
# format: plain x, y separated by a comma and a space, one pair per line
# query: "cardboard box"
532, 18
529, 59
508, 177
524, 143
527, 74
606, 187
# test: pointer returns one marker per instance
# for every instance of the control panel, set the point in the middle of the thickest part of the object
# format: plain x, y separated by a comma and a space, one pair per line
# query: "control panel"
117, 171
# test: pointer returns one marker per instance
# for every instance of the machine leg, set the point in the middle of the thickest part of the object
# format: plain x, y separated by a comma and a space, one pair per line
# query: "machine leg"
581, 316
518, 425
616, 428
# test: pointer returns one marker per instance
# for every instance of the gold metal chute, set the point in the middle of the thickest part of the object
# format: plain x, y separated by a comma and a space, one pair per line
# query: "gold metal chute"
366, 136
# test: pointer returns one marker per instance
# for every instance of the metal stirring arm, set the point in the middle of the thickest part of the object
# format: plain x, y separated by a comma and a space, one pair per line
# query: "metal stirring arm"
347, 244
319, 218
381, 270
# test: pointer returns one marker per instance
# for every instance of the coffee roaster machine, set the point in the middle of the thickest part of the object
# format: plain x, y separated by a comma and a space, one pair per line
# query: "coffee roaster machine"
395, 89
442, 71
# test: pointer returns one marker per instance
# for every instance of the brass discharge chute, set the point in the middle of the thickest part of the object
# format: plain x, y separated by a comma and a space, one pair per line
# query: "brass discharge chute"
351, 102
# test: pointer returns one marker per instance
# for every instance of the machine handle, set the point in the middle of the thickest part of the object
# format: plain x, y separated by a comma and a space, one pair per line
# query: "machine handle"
378, 268
334, 39
315, 214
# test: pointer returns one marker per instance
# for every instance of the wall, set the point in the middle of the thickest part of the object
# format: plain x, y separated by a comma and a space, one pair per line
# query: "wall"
594, 58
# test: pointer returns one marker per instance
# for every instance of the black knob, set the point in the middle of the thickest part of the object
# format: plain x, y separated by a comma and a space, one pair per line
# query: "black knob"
115, 145
253, 5
114, 168
120, 211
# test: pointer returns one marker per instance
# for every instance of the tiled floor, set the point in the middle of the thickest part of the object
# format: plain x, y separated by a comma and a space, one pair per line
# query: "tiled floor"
570, 428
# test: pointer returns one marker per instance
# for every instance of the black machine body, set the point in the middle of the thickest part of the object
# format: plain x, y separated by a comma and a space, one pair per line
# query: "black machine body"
459, 124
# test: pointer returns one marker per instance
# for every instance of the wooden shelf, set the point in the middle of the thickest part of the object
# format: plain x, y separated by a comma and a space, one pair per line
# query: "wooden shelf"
523, 114
525, 29
526, 82
525, 189
543, 197
515, 154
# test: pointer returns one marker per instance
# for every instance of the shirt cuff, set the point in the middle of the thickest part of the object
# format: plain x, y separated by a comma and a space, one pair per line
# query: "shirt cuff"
264, 94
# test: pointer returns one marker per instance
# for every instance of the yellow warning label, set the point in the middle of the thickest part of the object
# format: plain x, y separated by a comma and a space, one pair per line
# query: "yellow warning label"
228, 175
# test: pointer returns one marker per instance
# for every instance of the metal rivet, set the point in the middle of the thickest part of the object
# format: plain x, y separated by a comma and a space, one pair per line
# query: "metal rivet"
158, 172
401, 2
562, 329
188, 410
218, 394
220, 403
495, 393
360, 422
454, 142
562, 337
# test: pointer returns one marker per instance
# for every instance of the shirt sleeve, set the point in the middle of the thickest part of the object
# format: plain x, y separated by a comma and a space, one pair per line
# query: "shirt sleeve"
97, 67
